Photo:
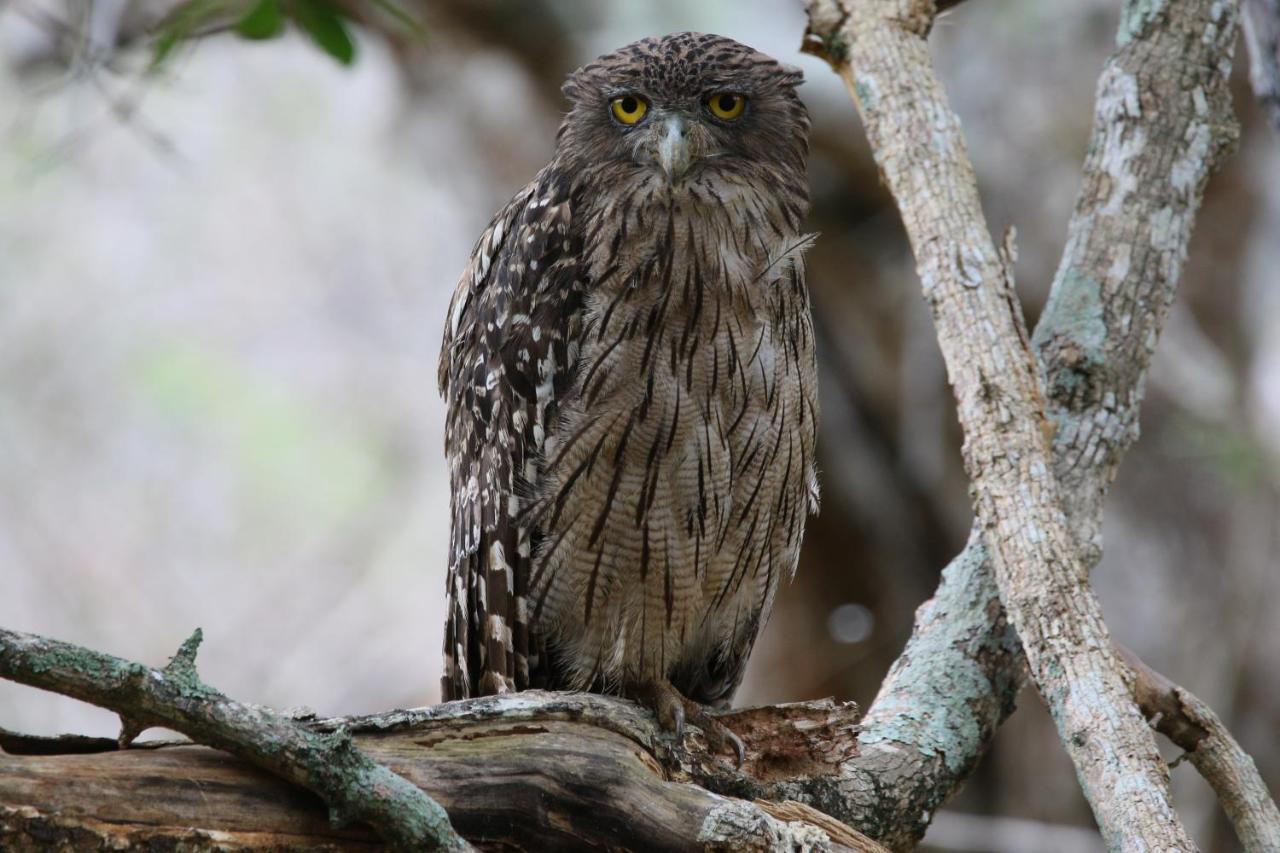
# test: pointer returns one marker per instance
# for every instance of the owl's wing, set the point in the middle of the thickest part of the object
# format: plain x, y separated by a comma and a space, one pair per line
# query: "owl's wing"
504, 364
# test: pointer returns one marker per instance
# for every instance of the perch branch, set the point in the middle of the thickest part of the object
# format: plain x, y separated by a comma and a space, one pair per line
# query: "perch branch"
354, 786
529, 771
1153, 149
1191, 724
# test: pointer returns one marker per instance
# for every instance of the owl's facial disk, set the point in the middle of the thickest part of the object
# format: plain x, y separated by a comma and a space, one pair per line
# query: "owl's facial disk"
685, 105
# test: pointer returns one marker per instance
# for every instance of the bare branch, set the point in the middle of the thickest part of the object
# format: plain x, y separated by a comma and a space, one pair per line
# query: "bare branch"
16, 743
354, 786
558, 768
962, 660
533, 770
1191, 724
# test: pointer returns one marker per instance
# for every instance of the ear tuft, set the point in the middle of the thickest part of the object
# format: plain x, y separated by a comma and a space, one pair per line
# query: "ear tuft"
572, 88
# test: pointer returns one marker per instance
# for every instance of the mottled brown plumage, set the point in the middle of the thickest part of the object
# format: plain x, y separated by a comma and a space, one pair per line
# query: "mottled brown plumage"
628, 363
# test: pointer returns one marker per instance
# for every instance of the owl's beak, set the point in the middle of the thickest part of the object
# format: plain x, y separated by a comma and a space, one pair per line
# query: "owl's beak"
673, 148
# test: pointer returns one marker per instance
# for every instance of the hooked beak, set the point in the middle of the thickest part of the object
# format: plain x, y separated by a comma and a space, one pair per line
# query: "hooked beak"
673, 148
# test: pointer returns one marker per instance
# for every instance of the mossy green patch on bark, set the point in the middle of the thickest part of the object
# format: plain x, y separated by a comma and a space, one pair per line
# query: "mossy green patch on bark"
1075, 311
1075, 338
176, 697
89, 664
947, 730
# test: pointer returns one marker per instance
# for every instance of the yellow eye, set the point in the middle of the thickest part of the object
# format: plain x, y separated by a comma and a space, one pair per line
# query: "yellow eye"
629, 109
727, 106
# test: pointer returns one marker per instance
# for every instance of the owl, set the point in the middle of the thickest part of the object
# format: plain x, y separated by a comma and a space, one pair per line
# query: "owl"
629, 369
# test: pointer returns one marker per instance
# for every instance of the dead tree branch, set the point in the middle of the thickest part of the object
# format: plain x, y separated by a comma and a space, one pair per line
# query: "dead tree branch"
1153, 150
534, 771
354, 786
1191, 724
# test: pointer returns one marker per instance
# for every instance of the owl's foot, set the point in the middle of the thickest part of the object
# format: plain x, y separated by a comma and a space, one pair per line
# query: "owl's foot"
719, 736
673, 708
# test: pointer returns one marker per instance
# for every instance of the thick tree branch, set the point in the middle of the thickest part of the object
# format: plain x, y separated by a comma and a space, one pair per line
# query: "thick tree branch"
535, 771
962, 661
1191, 724
354, 786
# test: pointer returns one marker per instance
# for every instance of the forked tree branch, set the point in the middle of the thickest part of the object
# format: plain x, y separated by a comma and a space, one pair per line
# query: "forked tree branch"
968, 284
1163, 122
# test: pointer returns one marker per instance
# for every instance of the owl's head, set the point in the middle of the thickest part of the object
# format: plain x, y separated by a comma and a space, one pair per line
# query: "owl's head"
686, 103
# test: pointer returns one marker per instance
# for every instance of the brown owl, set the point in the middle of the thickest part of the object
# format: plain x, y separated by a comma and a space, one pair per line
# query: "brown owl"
629, 369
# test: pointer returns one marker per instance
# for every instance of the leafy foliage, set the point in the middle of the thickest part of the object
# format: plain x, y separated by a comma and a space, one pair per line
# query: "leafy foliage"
321, 20
326, 22
264, 21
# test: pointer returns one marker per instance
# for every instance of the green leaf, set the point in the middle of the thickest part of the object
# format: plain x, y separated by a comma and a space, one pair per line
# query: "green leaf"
264, 21
320, 20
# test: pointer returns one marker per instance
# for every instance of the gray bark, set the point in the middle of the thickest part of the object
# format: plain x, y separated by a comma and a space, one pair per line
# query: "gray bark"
1162, 124
1192, 725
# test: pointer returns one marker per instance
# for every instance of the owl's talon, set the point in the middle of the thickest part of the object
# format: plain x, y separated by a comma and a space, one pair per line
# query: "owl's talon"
672, 710
677, 724
718, 735
659, 696
739, 748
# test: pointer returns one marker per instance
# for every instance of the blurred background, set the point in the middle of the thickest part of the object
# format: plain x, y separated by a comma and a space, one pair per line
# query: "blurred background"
221, 293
